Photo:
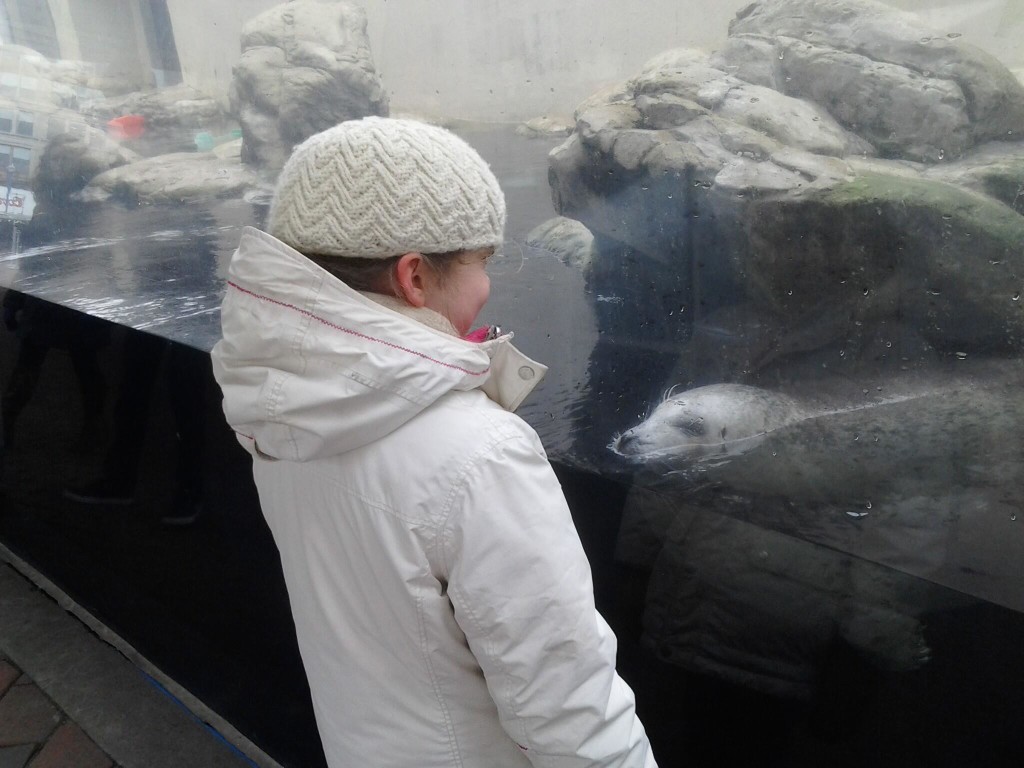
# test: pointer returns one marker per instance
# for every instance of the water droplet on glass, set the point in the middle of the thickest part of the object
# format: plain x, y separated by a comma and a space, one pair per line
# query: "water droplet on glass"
1015, 297
954, 35
782, 55
775, 453
754, 99
855, 514
856, 438
1013, 517
789, 292
926, 39
816, 119
947, 216
942, 154
868, 505
788, 79
867, 291
863, 391
888, 344
961, 355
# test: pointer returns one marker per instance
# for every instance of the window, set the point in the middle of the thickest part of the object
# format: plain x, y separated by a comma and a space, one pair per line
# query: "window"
9, 83
26, 124
22, 159
17, 160
6, 120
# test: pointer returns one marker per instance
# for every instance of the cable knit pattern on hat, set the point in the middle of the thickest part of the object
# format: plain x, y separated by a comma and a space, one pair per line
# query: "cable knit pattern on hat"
381, 187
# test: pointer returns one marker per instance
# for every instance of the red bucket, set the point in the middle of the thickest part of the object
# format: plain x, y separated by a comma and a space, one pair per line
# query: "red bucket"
126, 127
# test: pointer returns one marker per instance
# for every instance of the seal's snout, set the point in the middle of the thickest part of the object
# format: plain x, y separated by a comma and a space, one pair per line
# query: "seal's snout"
626, 444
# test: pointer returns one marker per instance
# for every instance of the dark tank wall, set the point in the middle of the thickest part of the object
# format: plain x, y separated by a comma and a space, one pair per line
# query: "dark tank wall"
776, 274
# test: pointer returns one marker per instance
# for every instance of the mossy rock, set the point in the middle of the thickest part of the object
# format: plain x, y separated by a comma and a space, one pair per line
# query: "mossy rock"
946, 259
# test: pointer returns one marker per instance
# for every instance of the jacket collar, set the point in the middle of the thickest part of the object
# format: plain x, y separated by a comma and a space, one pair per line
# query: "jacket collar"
310, 367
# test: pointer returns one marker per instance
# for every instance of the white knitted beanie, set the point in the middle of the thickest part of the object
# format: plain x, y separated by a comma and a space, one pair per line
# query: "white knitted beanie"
381, 187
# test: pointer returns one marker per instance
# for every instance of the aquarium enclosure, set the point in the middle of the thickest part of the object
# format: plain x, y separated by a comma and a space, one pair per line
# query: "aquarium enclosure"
772, 251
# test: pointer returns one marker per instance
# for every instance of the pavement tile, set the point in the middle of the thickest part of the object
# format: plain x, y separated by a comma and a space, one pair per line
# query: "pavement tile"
69, 747
8, 674
26, 716
16, 757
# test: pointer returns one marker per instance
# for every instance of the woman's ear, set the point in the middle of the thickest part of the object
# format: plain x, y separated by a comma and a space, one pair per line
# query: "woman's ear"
413, 278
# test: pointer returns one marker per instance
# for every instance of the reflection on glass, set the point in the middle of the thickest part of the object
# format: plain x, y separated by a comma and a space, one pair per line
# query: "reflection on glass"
772, 250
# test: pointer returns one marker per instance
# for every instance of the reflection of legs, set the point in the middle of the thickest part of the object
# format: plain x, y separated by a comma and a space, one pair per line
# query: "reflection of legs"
188, 373
142, 354
140, 362
22, 384
93, 389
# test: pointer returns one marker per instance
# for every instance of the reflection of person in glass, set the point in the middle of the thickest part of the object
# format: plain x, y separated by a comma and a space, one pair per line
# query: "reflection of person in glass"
442, 600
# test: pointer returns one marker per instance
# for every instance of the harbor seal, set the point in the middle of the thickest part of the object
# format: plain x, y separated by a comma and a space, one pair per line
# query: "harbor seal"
718, 421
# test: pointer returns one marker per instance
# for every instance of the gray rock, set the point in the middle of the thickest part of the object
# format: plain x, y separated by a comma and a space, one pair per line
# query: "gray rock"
178, 106
995, 169
567, 239
180, 177
69, 162
888, 48
543, 127
668, 110
616, 93
305, 66
750, 178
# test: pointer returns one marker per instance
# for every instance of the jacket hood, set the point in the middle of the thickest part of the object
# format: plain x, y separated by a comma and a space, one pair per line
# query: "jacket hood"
311, 368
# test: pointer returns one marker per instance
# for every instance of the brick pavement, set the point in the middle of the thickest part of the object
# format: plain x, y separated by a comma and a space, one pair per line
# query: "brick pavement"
35, 733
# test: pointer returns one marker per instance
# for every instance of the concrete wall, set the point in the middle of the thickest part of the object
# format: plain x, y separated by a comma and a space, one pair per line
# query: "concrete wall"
498, 60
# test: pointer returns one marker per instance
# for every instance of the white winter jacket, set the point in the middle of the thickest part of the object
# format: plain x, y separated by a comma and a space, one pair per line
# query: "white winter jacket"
442, 601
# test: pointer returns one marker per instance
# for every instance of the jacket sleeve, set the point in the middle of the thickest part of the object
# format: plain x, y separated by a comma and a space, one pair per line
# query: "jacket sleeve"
521, 589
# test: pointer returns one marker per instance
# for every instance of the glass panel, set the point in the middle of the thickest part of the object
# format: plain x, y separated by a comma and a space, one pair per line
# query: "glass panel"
771, 251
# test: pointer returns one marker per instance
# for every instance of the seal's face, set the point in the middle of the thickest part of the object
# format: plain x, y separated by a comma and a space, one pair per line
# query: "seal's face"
716, 421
